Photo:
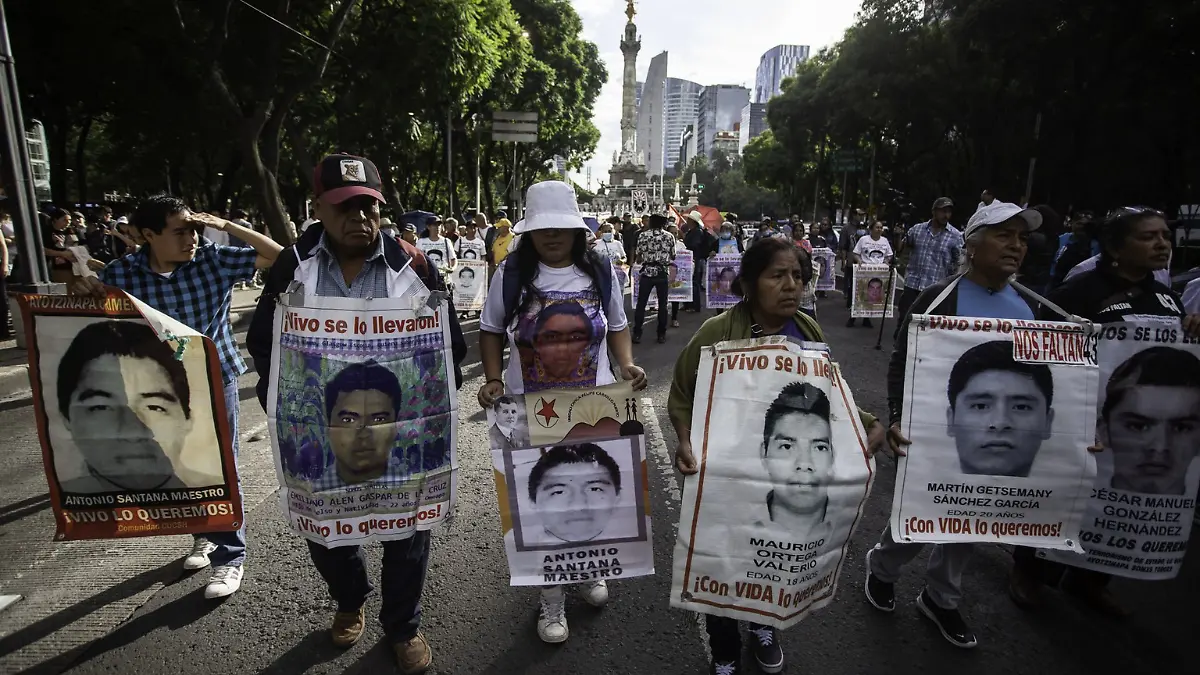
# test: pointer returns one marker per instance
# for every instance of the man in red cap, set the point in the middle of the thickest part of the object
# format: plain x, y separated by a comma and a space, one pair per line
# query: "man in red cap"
345, 256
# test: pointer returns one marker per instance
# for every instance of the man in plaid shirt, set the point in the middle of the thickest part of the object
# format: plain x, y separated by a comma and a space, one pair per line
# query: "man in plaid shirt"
190, 279
936, 249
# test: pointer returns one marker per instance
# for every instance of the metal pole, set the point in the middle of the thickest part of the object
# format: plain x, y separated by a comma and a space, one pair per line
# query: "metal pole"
871, 193
1037, 131
845, 182
450, 161
16, 171
478, 175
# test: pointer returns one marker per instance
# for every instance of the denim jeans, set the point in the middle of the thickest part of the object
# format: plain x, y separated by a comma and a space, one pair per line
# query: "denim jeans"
231, 546
645, 286
405, 562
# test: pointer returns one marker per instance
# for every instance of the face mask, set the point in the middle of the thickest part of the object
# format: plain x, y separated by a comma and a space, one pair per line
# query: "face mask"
727, 235
607, 236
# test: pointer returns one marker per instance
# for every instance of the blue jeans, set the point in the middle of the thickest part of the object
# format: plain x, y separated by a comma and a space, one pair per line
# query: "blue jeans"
231, 546
405, 562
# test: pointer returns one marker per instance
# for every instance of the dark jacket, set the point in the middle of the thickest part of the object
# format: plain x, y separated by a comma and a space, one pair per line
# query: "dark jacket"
1100, 295
700, 242
897, 364
260, 339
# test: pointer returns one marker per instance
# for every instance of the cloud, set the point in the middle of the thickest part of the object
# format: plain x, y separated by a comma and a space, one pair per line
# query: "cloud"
708, 41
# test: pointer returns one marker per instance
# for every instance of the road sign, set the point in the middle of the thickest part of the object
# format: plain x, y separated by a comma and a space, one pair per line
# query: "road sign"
846, 160
515, 127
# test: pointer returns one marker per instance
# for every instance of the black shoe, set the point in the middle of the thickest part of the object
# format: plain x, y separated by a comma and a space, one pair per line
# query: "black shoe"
867, 323
662, 339
637, 339
767, 650
849, 323
880, 594
949, 621
725, 668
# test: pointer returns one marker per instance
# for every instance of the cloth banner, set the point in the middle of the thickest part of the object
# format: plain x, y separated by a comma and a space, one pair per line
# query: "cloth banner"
723, 268
571, 482
823, 269
870, 299
1000, 414
130, 409
470, 285
1142, 504
622, 277
783, 478
679, 281
363, 414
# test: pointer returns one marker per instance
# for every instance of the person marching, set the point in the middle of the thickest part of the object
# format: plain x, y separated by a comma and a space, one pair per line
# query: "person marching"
773, 275
996, 242
873, 249
1135, 247
552, 269
655, 252
936, 247
606, 246
344, 255
191, 280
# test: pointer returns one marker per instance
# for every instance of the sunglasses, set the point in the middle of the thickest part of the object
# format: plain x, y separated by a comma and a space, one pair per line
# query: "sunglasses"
1135, 211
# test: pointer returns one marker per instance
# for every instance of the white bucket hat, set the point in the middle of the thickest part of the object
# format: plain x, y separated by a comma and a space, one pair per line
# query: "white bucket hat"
551, 205
997, 212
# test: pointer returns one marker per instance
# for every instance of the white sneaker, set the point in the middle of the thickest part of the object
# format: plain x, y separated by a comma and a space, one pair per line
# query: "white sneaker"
198, 558
595, 593
552, 621
225, 581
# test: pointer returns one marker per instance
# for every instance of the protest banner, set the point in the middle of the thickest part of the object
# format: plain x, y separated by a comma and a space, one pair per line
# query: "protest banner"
783, 478
679, 277
824, 268
723, 268
871, 287
571, 482
470, 285
1142, 504
362, 413
130, 410
1000, 414
622, 278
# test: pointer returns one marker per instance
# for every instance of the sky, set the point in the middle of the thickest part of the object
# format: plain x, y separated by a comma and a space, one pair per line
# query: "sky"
709, 42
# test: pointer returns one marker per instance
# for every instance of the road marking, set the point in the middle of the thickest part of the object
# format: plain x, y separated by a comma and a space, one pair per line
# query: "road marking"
664, 461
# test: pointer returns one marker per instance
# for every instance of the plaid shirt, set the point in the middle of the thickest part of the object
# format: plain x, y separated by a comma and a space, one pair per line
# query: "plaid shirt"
197, 294
934, 256
371, 281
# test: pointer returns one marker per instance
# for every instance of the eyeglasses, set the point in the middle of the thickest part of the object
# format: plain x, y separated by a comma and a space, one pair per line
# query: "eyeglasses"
1135, 211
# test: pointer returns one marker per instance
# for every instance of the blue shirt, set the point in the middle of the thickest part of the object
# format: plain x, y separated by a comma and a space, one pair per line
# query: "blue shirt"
935, 255
371, 281
197, 293
975, 300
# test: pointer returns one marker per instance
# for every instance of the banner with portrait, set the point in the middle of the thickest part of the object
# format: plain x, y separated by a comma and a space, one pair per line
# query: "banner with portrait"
723, 268
622, 277
824, 268
872, 299
571, 482
1141, 507
470, 285
1000, 414
783, 478
362, 412
130, 410
680, 275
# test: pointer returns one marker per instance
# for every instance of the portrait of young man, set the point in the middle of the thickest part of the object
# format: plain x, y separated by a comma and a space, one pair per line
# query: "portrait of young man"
509, 431
797, 452
127, 403
361, 403
1150, 421
1000, 411
574, 490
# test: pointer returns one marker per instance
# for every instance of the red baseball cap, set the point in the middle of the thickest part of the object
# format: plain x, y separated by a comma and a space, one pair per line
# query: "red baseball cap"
340, 177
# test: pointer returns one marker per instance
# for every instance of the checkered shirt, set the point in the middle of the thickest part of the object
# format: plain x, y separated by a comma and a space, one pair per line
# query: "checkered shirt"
198, 293
934, 256
371, 282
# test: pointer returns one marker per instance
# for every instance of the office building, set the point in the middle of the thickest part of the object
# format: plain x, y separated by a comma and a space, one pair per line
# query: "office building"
778, 64
719, 109
680, 98
727, 142
650, 116
754, 122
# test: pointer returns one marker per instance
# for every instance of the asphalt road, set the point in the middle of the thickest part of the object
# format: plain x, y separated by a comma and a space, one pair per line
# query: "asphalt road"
476, 623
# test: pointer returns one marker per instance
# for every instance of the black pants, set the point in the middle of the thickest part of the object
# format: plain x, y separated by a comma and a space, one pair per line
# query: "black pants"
724, 638
902, 307
674, 311
404, 564
645, 285
4, 332
1050, 572
848, 285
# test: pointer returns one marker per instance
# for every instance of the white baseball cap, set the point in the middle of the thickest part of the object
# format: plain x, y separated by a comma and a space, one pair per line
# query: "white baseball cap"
997, 212
551, 205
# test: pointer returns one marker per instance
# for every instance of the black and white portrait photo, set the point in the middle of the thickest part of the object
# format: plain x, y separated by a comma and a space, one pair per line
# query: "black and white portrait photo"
127, 411
797, 451
508, 425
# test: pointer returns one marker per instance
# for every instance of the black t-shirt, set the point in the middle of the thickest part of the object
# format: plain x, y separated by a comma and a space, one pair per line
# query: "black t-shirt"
1102, 296
55, 240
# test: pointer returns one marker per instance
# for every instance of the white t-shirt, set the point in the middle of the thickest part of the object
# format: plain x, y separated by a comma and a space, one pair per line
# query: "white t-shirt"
874, 252
561, 341
440, 252
610, 250
471, 249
